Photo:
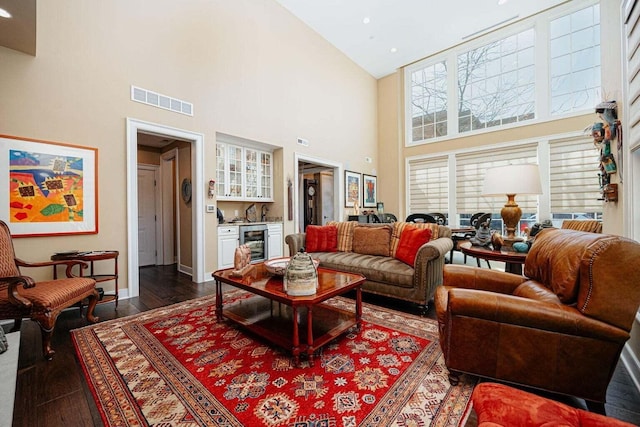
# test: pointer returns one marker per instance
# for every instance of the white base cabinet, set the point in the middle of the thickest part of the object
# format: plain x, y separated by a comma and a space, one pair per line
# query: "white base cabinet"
276, 241
228, 241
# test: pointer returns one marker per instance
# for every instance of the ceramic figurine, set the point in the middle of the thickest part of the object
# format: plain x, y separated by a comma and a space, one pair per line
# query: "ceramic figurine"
497, 241
483, 235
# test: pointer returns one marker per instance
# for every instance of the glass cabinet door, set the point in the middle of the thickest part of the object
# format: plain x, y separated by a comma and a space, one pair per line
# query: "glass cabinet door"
235, 170
251, 172
221, 169
265, 175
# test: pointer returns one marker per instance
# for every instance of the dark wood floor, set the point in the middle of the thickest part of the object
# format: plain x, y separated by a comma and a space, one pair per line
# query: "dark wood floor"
55, 393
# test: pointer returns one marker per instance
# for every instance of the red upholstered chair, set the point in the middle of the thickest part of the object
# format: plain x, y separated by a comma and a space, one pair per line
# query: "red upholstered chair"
501, 405
21, 296
561, 328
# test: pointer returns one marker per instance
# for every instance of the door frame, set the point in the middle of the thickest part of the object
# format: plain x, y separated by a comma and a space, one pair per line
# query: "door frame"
133, 126
338, 178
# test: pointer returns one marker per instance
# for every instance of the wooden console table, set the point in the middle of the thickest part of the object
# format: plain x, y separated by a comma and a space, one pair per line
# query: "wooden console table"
513, 260
91, 257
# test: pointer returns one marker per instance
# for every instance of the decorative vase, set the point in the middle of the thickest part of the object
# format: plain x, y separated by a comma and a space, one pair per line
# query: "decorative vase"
301, 277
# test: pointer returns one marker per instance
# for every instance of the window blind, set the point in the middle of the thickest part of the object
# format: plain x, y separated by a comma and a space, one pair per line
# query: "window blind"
429, 185
470, 171
573, 181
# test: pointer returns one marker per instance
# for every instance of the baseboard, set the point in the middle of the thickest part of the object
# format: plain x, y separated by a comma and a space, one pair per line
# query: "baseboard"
185, 269
632, 364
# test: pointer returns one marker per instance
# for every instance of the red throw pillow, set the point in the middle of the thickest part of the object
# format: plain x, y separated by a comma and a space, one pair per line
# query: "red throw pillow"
321, 238
410, 241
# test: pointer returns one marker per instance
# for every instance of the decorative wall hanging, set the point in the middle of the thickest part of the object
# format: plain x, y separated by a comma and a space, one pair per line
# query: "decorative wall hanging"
604, 133
51, 189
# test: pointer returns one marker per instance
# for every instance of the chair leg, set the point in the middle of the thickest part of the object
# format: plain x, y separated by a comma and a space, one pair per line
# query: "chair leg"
47, 325
93, 300
596, 407
17, 323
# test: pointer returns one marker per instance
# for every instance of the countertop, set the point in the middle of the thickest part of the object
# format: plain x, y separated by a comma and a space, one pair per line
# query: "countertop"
227, 224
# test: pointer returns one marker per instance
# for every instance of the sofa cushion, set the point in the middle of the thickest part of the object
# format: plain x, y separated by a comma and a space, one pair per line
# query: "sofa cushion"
345, 234
321, 238
372, 240
375, 268
398, 227
410, 241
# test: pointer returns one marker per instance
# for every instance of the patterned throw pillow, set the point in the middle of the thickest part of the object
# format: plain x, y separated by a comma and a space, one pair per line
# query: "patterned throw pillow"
410, 241
398, 227
321, 238
345, 234
372, 240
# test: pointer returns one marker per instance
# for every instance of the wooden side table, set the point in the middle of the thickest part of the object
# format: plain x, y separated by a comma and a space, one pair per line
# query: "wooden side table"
513, 260
90, 257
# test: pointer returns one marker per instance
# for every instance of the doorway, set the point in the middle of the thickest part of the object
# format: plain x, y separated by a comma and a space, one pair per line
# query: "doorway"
317, 190
195, 162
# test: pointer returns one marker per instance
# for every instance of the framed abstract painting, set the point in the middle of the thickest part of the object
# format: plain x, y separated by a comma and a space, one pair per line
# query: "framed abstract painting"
352, 189
51, 187
370, 191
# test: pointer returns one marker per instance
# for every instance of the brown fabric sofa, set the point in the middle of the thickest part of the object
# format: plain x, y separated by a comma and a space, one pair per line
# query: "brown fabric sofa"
561, 328
386, 275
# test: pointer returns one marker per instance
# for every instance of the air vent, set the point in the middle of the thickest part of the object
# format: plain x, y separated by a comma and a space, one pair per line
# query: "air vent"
161, 101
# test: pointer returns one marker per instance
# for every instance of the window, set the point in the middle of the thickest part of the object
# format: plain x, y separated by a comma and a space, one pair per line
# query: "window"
428, 185
470, 171
573, 179
575, 61
496, 83
429, 102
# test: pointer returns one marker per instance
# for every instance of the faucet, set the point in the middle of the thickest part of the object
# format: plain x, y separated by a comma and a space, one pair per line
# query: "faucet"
263, 213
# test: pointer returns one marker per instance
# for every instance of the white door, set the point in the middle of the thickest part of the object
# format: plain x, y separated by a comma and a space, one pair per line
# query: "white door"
146, 217
327, 196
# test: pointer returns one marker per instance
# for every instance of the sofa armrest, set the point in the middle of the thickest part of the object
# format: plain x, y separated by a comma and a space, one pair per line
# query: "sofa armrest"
465, 276
427, 274
296, 242
531, 314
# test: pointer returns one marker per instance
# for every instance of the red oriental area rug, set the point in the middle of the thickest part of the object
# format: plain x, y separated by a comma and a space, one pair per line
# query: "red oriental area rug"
178, 366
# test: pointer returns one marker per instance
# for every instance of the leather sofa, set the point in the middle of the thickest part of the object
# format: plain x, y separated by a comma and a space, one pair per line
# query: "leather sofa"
560, 329
501, 405
386, 275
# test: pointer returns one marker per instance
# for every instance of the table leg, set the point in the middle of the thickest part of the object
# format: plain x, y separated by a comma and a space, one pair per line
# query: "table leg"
310, 334
514, 268
296, 338
358, 307
218, 300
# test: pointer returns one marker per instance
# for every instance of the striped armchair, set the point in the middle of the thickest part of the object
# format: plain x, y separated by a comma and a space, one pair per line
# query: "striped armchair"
21, 296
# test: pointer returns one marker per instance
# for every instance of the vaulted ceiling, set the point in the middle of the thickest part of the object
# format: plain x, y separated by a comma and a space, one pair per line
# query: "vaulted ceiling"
378, 35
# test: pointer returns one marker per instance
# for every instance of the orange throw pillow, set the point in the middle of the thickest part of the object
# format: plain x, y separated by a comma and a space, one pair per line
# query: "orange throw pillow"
410, 241
321, 238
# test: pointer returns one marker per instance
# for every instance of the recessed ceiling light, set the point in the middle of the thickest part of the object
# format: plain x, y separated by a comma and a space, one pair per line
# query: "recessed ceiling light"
4, 13
501, 2
393, 50
366, 20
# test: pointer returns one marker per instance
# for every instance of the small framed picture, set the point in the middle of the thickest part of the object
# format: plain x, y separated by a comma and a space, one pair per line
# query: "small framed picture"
370, 191
352, 189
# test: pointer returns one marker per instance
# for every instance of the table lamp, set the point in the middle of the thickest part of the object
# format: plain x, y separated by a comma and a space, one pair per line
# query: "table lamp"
511, 180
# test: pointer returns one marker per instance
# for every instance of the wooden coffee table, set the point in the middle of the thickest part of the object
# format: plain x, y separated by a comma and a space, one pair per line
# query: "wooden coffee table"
301, 324
513, 260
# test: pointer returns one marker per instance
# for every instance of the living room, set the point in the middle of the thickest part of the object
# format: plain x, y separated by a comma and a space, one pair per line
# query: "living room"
252, 70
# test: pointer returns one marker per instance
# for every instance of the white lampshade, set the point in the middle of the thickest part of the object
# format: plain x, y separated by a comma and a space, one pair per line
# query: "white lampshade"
512, 179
